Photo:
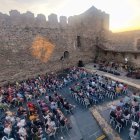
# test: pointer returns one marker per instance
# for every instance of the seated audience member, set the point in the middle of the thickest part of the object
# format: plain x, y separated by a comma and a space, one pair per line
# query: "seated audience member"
136, 96
120, 120
126, 114
6, 138
118, 112
68, 106
133, 131
21, 111
121, 86
135, 104
40, 132
8, 129
113, 114
125, 89
113, 107
21, 123
33, 116
54, 105
34, 129
118, 90
49, 129
22, 132
127, 99
121, 103
37, 122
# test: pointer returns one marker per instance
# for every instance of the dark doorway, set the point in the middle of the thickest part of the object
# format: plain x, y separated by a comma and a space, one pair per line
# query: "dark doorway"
66, 54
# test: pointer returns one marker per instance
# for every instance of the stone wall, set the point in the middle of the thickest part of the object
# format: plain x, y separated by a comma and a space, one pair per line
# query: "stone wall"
21, 33
122, 45
124, 40
133, 58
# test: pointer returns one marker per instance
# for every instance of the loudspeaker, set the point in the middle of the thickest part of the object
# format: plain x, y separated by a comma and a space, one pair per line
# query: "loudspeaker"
80, 63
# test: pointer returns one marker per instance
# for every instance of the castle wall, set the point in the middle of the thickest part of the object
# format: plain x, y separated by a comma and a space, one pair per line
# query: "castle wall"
31, 45
17, 60
124, 40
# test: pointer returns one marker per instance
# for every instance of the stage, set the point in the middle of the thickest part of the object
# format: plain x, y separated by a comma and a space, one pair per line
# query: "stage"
133, 83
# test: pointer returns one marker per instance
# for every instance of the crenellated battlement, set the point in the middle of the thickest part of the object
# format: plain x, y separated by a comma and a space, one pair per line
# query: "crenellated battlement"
90, 18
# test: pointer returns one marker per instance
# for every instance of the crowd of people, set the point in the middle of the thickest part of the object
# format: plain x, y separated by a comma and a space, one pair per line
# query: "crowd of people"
110, 67
35, 108
109, 70
127, 112
30, 123
95, 88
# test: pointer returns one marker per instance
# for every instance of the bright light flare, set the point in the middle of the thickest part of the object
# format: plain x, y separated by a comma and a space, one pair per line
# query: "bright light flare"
42, 48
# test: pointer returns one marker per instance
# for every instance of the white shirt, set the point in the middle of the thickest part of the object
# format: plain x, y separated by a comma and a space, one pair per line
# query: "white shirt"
121, 86
131, 134
7, 130
127, 117
21, 123
22, 131
113, 83
93, 83
5, 138
113, 107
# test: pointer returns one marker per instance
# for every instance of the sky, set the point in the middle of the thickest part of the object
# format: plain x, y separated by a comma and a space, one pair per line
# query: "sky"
124, 14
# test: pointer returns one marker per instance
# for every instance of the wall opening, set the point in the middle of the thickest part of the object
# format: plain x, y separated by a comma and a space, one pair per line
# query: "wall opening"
138, 44
78, 41
135, 56
66, 54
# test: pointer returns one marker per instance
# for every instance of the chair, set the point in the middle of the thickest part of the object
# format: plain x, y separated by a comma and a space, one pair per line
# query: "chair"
45, 117
72, 94
86, 103
53, 134
5, 138
111, 95
63, 128
69, 111
127, 121
95, 100
75, 97
134, 115
101, 97
107, 94
119, 126
112, 120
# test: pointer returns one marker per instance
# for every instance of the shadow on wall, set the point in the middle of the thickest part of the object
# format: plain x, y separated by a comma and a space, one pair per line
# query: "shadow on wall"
42, 48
